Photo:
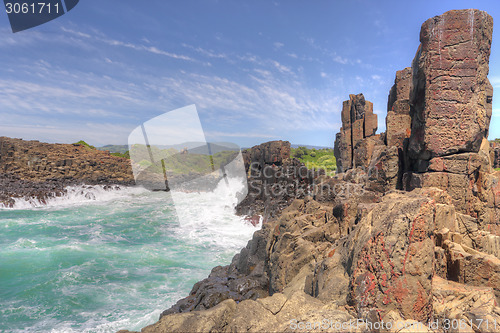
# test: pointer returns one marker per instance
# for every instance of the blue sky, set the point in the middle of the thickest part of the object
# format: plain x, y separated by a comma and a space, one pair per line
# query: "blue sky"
256, 70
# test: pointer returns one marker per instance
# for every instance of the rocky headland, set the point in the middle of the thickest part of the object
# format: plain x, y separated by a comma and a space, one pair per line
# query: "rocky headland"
406, 238
39, 171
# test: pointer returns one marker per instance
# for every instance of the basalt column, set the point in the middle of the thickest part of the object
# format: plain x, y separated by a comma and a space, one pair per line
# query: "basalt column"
358, 122
451, 107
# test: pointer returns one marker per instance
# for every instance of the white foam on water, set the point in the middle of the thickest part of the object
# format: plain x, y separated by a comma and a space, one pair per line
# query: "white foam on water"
209, 218
77, 196
206, 220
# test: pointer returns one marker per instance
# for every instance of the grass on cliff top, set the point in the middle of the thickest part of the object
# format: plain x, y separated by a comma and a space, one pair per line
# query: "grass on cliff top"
124, 155
85, 144
316, 158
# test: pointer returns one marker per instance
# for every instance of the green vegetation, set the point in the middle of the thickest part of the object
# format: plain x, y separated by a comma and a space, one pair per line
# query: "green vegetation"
497, 169
115, 148
179, 163
124, 155
85, 144
316, 158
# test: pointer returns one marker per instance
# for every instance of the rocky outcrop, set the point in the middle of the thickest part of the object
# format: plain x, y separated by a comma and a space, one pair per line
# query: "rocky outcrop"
268, 153
451, 109
42, 170
384, 269
274, 257
274, 179
398, 120
495, 154
378, 159
423, 258
451, 96
358, 122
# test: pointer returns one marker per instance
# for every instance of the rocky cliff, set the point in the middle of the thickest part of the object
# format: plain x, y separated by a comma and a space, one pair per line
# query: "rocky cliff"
41, 170
495, 154
405, 239
274, 179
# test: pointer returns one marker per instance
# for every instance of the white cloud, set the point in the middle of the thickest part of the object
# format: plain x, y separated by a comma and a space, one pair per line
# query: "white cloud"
278, 45
137, 47
207, 53
495, 81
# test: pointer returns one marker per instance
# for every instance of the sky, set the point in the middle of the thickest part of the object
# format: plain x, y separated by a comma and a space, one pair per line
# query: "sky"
256, 70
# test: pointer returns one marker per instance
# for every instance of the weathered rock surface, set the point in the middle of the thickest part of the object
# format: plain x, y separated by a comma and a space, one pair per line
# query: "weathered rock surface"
358, 122
384, 268
495, 155
42, 170
451, 97
361, 249
398, 120
386, 262
272, 259
274, 180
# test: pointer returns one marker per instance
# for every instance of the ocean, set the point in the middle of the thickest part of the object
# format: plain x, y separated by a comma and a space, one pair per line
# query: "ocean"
98, 260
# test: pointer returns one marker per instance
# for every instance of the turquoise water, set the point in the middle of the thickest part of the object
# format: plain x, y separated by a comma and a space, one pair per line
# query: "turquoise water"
100, 261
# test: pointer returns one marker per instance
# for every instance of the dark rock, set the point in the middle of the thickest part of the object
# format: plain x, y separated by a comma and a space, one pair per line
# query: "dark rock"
36, 170
495, 155
274, 180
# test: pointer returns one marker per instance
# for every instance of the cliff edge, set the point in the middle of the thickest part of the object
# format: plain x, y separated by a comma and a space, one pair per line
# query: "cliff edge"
37, 170
405, 239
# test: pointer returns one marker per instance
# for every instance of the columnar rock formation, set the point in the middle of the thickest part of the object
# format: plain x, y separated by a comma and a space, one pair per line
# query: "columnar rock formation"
358, 122
39, 170
451, 97
398, 121
451, 106
274, 179
495, 154
358, 249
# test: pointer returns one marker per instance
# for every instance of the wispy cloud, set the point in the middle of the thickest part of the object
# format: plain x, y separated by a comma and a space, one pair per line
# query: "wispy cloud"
206, 53
133, 46
333, 55
278, 45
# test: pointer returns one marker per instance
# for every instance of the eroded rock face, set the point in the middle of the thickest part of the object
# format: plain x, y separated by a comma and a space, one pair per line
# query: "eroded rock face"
495, 155
386, 261
451, 97
358, 122
398, 120
268, 153
363, 250
281, 252
451, 110
42, 170
274, 179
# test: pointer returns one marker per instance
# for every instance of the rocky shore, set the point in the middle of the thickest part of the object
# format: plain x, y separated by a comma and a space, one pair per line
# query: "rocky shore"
406, 238
37, 170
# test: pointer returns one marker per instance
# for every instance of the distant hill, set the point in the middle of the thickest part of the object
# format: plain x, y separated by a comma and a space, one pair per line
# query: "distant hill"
192, 147
114, 148
310, 147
